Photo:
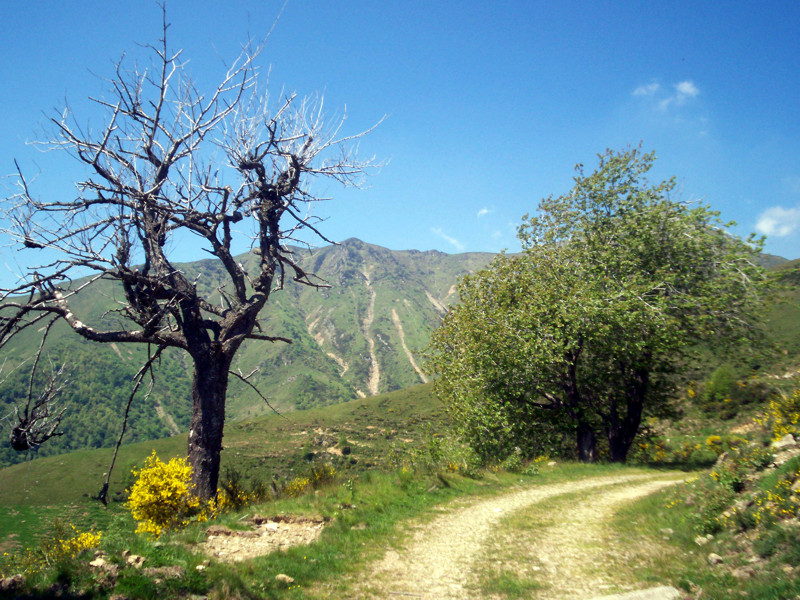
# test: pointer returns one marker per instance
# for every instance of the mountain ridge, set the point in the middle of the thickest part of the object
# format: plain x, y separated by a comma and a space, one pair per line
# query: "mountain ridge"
357, 337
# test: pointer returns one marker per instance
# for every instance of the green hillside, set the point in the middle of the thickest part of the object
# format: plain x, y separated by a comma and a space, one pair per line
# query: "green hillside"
375, 429
357, 338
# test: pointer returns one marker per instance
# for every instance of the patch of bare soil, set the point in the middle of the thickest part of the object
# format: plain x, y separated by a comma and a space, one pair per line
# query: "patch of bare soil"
267, 534
442, 555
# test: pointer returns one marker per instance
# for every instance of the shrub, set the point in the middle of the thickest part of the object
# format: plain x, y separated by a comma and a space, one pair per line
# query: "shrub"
161, 497
318, 475
730, 474
723, 395
779, 502
234, 494
714, 443
710, 517
437, 453
783, 415
58, 547
297, 486
719, 387
513, 462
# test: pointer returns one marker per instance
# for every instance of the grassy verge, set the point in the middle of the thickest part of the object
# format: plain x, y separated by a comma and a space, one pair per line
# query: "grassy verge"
362, 510
720, 538
362, 513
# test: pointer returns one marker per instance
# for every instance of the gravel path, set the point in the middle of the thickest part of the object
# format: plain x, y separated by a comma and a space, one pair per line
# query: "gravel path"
438, 561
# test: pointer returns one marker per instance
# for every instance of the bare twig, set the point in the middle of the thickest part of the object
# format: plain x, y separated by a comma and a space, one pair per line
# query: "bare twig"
137, 381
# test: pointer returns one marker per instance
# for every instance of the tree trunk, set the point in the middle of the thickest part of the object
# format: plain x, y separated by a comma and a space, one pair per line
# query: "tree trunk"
622, 432
620, 437
209, 389
587, 443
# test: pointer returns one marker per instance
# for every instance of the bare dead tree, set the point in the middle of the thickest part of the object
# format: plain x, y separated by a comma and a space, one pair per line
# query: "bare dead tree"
175, 165
41, 417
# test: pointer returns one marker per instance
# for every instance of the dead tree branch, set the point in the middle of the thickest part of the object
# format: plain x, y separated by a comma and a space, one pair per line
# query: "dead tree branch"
177, 164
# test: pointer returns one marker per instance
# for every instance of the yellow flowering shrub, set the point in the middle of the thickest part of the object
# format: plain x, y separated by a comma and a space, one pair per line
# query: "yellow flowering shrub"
714, 443
650, 450
784, 415
318, 476
74, 545
297, 486
54, 548
161, 498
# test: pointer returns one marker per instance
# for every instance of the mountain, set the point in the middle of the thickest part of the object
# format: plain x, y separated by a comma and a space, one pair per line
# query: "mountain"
359, 337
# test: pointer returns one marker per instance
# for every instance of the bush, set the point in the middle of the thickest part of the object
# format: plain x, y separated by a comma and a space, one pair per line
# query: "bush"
513, 462
161, 498
714, 443
60, 546
720, 386
710, 517
235, 494
437, 453
723, 395
730, 474
318, 475
779, 502
783, 415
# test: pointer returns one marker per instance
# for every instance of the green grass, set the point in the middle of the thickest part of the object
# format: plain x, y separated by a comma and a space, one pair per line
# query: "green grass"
363, 516
379, 431
509, 584
364, 511
684, 563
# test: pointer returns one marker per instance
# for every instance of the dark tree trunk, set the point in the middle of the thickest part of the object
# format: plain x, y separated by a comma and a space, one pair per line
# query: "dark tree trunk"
587, 443
618, 445
622, 432
209, 389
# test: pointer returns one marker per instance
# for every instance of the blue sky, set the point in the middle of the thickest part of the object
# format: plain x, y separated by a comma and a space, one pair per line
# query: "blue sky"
489, 105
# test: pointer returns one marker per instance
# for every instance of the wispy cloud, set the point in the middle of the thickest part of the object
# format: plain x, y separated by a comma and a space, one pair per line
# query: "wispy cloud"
449, 239
483, 212
777, 221
683, 91
687, 89
646, 90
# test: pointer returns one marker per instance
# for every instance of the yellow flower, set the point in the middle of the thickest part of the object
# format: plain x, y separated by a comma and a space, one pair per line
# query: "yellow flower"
161, 497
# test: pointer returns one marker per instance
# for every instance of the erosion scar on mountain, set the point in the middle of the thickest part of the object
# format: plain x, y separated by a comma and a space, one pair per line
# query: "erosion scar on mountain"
373, 384
399, 325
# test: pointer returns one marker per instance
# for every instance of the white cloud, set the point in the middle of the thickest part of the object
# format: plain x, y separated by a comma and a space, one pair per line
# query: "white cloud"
646, 90
777, 221
483, 212
684, 91
450, 240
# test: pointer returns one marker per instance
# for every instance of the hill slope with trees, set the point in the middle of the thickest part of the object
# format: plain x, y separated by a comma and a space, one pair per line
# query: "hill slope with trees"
359, 337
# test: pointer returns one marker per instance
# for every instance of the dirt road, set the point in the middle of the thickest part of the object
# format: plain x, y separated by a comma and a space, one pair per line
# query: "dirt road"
448, 557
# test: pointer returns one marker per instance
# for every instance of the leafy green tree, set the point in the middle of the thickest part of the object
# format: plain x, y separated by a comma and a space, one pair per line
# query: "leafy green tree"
583, 331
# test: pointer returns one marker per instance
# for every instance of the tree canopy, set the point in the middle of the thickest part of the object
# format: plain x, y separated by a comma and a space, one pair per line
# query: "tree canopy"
582, 332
